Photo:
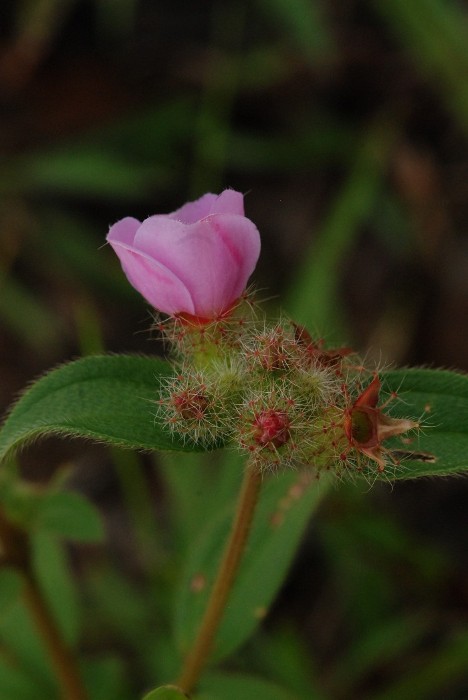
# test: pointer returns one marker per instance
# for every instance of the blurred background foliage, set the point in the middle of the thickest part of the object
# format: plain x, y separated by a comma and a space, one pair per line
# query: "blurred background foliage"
347, 124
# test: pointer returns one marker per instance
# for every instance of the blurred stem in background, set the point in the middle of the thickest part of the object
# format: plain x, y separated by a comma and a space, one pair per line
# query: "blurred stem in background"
435, 32
37, 23
16, 551
199, 654
220, 88
314, 295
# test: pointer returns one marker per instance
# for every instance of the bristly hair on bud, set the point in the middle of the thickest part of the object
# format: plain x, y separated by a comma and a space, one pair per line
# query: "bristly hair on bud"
193, 405
269, 423
274, 349
280, 395
317, 354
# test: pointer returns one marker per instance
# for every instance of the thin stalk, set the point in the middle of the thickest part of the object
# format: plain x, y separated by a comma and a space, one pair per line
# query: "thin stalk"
15, 548
200, 652
61, 658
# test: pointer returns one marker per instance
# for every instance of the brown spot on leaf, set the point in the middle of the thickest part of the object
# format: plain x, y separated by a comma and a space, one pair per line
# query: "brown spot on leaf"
277, 519
198, 583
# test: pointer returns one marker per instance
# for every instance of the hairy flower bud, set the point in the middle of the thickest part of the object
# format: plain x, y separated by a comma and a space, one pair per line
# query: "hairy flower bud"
193, 404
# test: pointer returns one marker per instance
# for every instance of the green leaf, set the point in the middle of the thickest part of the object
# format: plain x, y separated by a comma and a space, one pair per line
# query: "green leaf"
106, 677
70, 515
229, 686
191, 480
26, 315
11, 584
14, 683
386, 642
439, 400
167, 692
285, 506
26, 663
106, 398
279, 654
55, 578
323, 141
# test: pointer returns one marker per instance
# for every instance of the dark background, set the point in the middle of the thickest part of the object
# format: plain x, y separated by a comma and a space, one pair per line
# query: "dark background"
346, 123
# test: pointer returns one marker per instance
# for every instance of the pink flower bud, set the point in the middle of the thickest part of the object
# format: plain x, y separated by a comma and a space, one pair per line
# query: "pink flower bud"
195, 261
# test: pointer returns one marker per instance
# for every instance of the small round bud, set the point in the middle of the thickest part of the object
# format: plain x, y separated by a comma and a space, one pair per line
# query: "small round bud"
193, 405
190, 404
271, 428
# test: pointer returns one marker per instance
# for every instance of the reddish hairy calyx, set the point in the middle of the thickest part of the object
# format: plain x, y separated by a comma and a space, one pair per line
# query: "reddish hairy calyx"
271, 428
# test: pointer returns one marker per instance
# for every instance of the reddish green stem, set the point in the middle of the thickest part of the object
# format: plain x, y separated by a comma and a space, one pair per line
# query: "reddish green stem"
16, 553
200, 652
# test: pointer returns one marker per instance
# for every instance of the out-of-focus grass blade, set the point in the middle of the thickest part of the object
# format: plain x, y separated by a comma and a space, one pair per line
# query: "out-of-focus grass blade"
81, 172
436, 33
116, 19
158, 134
223, 79
107, 678
19, 639
393, 639
25, 315
230, 686
303, 22
73, 249
312, 147
280, 655
55, 577
313, 296
441, 674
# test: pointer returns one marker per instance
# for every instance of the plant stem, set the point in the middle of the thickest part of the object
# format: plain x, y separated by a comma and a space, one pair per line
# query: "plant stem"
15, 547
199, 654
60, 656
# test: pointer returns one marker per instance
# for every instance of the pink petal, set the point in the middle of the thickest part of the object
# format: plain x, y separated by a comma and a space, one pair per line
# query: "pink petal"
228, 202
194, 211
158, 285
213, 257
123, 231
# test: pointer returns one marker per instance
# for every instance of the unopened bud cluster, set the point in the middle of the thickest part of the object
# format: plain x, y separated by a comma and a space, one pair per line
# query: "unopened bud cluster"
278, 394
